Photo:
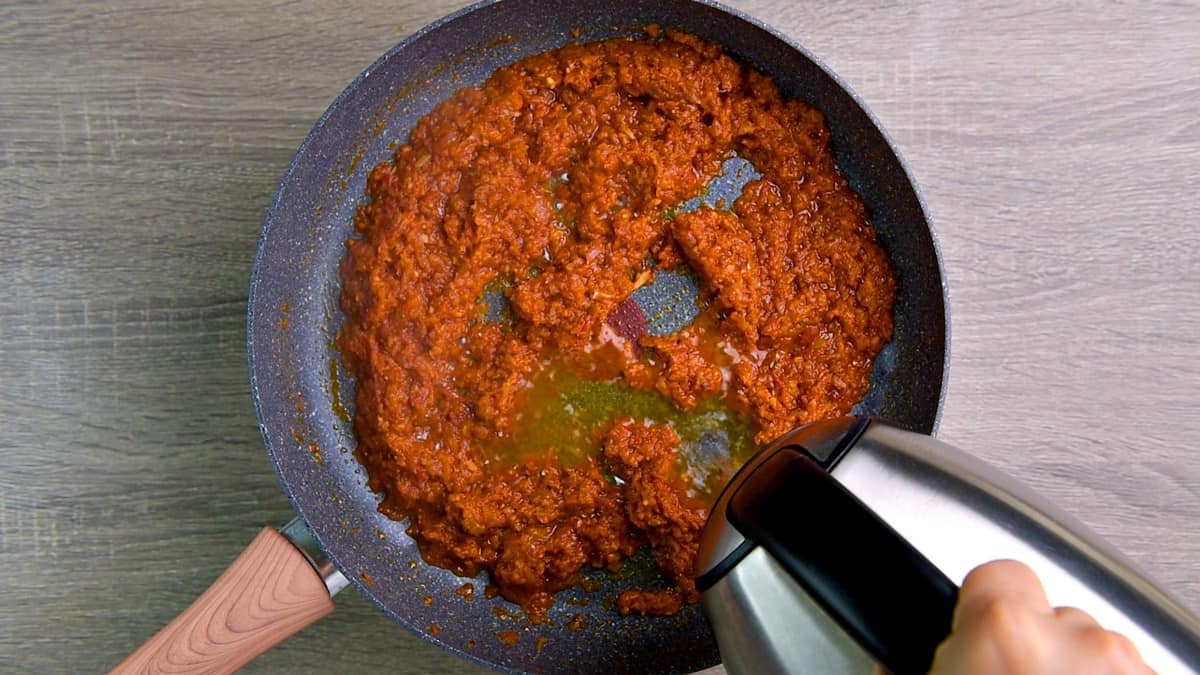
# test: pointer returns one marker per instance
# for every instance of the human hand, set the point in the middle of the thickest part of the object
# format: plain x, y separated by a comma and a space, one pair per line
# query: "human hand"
1004, 625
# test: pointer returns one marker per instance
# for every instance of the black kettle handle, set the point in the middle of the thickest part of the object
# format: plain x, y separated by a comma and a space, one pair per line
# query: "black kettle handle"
873, 582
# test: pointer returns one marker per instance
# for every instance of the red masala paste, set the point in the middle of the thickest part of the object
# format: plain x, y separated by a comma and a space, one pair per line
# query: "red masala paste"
556, 184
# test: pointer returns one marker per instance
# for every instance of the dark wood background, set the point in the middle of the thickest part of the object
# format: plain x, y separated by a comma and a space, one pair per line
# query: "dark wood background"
1058, 147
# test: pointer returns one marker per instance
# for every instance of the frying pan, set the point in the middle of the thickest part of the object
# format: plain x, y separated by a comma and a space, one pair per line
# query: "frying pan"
304, 400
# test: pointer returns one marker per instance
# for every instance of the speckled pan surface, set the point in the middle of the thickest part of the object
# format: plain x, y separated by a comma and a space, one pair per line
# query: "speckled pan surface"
304, 401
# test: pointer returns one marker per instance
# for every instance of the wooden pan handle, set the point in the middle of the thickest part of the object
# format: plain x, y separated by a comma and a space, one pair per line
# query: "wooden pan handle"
267, 594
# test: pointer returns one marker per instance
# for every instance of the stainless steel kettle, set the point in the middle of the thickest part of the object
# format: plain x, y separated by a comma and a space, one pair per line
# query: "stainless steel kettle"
835, 548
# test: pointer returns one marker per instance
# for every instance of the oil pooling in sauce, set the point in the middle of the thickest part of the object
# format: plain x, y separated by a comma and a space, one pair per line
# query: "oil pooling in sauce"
567, 415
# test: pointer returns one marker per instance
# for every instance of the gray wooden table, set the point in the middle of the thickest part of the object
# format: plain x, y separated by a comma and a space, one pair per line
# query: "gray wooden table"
1058, 148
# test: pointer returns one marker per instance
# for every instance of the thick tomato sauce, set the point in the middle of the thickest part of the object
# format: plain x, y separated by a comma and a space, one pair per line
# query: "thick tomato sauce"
555, 183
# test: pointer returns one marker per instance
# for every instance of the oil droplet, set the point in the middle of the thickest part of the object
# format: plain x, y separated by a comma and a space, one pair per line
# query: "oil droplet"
503, 614
354, 162
508, 637
502, 40
335, 393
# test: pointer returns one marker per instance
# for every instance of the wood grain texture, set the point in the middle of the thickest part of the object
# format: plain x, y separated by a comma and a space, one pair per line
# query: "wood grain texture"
1057, 146
267, 594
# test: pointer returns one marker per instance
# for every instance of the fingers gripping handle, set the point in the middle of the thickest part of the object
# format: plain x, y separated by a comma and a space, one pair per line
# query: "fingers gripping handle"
880, 589
269, 593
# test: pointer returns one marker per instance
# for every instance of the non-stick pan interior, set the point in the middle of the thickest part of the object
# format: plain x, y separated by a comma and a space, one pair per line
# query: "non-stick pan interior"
304, 402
